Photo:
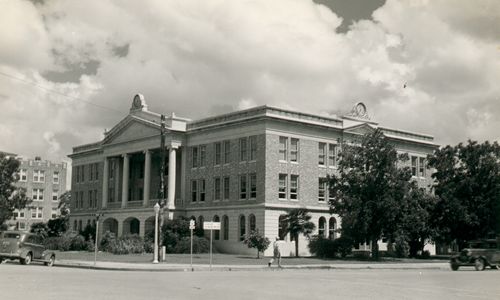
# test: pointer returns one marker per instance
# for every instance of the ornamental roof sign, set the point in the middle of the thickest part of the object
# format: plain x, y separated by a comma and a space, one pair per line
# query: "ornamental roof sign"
138, 103
359, 112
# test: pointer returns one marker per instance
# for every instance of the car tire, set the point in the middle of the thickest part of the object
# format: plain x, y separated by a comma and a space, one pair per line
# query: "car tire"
454, 266
51, 261
494, 267
26, 260
479, 264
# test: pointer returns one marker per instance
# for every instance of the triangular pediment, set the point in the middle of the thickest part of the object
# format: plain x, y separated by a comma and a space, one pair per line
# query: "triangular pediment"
360, 129
131, 128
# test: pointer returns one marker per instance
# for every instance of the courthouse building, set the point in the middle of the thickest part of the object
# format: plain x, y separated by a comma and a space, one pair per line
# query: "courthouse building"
245, 169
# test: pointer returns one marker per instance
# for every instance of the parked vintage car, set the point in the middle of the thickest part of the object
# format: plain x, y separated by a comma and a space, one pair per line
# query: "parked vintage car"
26, 247
479, 254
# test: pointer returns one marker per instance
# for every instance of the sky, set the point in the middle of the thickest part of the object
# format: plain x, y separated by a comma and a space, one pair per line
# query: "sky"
69, 69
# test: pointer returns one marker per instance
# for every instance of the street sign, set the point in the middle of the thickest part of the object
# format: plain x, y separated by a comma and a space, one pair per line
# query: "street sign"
211, 225
191, 224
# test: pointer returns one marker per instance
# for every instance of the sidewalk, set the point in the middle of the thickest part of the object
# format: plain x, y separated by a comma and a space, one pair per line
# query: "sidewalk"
171, 267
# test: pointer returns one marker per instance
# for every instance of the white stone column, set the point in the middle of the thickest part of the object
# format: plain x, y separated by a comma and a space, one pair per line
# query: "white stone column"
105, 181
125, 175
147, 178
171, 179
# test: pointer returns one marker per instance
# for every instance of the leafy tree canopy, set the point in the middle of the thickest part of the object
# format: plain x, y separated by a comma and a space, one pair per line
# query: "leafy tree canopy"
11, 196
256, 240
298, 221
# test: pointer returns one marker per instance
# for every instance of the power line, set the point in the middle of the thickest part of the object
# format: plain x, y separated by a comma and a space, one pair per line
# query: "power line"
59, 93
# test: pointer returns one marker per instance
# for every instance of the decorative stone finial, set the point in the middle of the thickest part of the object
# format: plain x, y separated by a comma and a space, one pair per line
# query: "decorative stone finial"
359, 111
138, 103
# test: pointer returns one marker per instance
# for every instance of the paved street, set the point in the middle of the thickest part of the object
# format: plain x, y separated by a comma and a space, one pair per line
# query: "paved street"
39, 282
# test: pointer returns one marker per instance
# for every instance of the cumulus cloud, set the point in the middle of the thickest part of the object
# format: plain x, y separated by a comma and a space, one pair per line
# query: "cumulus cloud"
218, 56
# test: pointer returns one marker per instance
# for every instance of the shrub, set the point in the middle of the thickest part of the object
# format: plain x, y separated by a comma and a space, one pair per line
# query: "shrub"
401, 247
425, 255
107, 240
78, 243
344, 245
327, 248
123, 245
40, 229
88, 232
200, 245
58, 226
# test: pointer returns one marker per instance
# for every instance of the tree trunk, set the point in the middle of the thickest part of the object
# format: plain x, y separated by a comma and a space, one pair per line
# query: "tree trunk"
296, 245
415, 247
258, 253
375, 249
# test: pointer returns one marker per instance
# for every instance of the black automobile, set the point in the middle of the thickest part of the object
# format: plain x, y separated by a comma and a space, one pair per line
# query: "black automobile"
26, 247
479, 254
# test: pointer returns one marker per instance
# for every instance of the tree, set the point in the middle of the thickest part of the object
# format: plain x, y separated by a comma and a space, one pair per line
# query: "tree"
369, 188
58, 226
256, 240
40, 229
11, 197
467, 183
64, 205
298, 222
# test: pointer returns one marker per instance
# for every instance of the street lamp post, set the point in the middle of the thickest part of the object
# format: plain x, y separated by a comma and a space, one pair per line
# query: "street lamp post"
157, 210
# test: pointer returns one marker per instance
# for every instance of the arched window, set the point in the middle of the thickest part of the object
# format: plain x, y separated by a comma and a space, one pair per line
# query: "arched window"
242, 228
282, 227
321, 227
216, 232
251, 223
80, 225
225, 227
75, 228
332, 226
199, 224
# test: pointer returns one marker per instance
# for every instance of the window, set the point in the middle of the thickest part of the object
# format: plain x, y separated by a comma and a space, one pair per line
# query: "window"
225, 227
421, 167
202, 190
55, 177
217, 188
243, 186
96, 198
111, 169
111, 195
332, 226
82, 176
331, 195
253, 186
294, 187
242, 228
321, 227
23, 175
194, 157
76, 200
294, 150
218, 154
216, 232
332, 155
321, 189
141, 171
253, 147
96, 169
243, 149
226, 188
91, 171
37, 213
75, 225
77, 172
227, 151
80, 225
37, 195
201, 220
283, 148
55, 195
251, 223
54, 213
81, 199
282, 186
22, 226
203, 155
91, 199
414, 162
39, 176
194, 190
282, 227
321, 154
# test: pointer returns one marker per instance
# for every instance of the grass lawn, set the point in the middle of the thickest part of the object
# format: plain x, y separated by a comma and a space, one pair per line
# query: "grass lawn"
220, 259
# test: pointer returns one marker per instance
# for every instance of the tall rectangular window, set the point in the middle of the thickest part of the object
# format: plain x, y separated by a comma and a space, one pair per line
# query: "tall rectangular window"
23, 175
91, 199
294, 150
111, 169
76, 200
332, 155
194, 190
227, 151
96, 169
218, 153
253, 186
37, 213
283, 148
202, 190
203, 155
77, 171
217, 188
54, 213
37, 195
421, 167
194, 157
282, 186
38, 176
253, 147
91, 170
226, 188
294, 187
96, 198
243, 186
82, 176
55, 177
81, 199
414, 163
321, 154
243, 149
55, 195
321, 189
111, 194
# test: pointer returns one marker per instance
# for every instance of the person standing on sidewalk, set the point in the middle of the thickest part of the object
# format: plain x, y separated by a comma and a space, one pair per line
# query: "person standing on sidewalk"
276, 253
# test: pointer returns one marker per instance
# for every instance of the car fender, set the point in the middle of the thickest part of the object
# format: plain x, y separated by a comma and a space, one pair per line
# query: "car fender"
486, 262
47, 254
25, 252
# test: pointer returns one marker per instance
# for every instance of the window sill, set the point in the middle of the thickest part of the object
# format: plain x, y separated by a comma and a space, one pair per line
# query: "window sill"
283, 161
294, 162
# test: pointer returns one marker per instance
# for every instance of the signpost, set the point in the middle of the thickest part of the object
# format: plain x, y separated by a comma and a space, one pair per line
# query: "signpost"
191, 227
211, 226
96, 236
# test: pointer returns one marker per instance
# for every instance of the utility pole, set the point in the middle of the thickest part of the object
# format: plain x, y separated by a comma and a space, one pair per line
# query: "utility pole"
161, 199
